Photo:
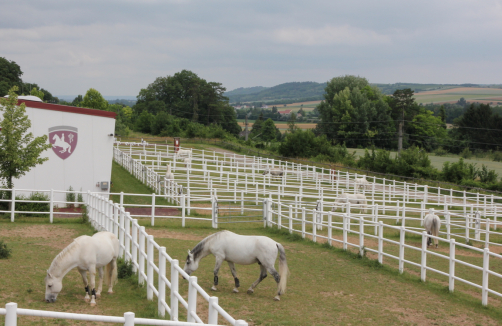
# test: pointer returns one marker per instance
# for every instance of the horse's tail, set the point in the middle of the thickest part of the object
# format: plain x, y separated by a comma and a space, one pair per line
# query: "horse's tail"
283, 270
111, 272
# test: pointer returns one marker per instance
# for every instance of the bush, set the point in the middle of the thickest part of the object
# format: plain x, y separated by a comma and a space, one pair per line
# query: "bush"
5, 252
124, 269
34, 207
80, 198
440, 151
466, 153
497, 156
456, 172
487, 176
70, 198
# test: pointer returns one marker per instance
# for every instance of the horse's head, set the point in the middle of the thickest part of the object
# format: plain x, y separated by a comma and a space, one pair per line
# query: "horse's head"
55, 137
191, 264
53, 286
265, 172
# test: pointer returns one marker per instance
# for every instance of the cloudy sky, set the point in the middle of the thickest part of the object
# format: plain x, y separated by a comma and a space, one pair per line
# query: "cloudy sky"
119, 47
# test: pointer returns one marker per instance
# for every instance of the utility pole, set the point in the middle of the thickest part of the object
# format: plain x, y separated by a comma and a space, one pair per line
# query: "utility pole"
400, 136
246, 128
403, 101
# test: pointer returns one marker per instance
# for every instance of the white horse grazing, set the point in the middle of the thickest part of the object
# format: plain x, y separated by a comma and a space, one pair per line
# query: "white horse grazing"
188, 162
59, 142
86, 254
169, 175
357, 199
276, 173
242, 250
432, 224
184, 153
361, 183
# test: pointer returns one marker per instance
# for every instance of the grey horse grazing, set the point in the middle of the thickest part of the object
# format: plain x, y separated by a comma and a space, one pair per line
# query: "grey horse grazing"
356, 199
274, 172
243, 250
432, 224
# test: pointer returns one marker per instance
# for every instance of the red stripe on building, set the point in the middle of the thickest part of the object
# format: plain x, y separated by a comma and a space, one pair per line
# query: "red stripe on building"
66, 108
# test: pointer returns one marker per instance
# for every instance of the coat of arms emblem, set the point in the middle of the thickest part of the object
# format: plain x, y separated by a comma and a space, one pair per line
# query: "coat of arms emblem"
64, 140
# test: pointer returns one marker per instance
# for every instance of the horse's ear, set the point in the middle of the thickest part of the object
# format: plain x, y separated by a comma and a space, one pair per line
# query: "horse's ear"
189, 253
49, 274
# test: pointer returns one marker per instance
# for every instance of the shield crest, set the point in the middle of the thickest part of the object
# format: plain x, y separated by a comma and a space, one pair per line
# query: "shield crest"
64, 140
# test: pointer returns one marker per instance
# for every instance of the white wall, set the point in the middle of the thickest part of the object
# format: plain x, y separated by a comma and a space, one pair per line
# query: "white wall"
90, 161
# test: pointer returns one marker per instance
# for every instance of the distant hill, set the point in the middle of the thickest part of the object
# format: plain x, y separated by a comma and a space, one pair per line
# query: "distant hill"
287, 91
312, 91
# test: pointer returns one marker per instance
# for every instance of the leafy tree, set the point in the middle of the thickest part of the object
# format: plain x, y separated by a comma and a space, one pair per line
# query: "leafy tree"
269, 131
94, 100
292, 123
77, 100
37, 93
10, 75
426, 130
19, 149
256, 128
144, 122
403, 105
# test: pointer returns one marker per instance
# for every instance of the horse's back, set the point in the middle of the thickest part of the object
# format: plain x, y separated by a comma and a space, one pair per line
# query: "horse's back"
106, 247
244, 249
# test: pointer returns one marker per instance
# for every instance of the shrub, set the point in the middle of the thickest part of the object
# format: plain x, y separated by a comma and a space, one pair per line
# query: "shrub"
70, 198
80, 198
34, 207
440, 151
497, 156
487, 176
5, 252
458, 171
85, 217
466, 153
124, 269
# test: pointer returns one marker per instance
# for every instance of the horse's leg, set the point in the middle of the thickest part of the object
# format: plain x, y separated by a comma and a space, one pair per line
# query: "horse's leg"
234, 274
217, 266
263, 274
277, 278
429, 240
100, 286
92, 283
83, 273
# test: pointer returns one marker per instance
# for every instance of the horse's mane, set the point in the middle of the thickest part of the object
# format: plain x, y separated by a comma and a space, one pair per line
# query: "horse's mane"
197, 250
71, 248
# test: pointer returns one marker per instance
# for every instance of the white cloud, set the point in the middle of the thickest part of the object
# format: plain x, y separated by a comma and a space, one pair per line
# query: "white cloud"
330, 35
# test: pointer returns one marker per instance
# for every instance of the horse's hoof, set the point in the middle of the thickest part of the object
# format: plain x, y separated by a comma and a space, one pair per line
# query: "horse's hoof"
98, 295
250, 291
277, 298
235, 290
111, 292
214, 288
93, 304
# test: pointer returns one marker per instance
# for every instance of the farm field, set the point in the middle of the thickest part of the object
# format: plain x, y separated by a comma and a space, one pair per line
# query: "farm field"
491, 96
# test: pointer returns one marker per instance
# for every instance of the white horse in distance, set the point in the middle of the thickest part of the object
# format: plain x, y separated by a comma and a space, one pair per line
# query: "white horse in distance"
188, 162
87, 254
361, 183
59, 142
355, 199
184, 153
169, 175
276, 172
432, 224
243, 250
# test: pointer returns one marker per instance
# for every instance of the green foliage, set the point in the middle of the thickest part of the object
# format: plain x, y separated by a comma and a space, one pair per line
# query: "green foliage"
440, 151
80, 198
293, 91
458, 171
497, 156
487, 176
70, 198
34, 207
426, 130
10, 75
84, 216
37, 93
481, 125
466, 153
5, 252
94, 100
19, 149
124, 269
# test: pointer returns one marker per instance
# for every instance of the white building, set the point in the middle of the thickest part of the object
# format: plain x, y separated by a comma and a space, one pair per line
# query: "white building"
82, 152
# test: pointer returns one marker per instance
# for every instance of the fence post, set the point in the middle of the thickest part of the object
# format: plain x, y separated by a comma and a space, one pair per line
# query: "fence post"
162, 285
174, 289
361, 236
121, 232
129, 318
127, 240
134, 249
51, 207
401, 249
330, 218
380, 242
265, 214
149, 268
152, 222
13, 204
467, 226
11, 314
423, 262
448, 225
487, 234
484, 288
345, 217
314, 225
192, 299
183, 210
242, 201
116, 219
141, 256
279, 215
451, 277
303, 222
290, 219
213, 313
